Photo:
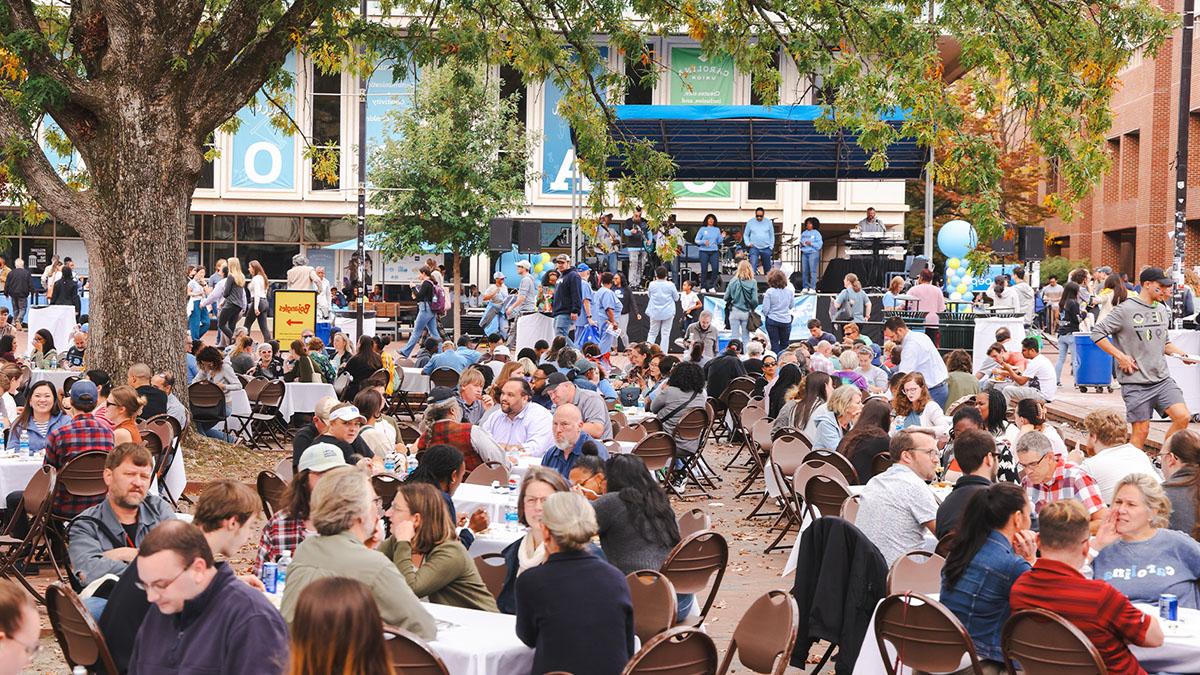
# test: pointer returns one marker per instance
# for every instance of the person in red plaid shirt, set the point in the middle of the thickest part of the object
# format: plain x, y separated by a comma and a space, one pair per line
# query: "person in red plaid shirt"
83, 434
288, 526
1048, 478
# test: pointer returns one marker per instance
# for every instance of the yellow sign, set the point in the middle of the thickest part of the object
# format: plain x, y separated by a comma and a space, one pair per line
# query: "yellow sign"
295, 312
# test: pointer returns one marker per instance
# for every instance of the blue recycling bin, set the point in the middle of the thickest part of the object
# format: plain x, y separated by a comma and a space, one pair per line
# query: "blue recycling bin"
325, 332
1093, 366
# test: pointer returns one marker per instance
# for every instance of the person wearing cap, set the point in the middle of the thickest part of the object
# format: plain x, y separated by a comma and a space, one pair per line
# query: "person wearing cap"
605, 308
568, 298
1135, 333
637, 234
84, 433
588, 377
441, 426
596, 420
570, 441
584, 318
289, 525
524, 302
449, 358
268, 364
496, 296
340, 430
520, 425
467, 351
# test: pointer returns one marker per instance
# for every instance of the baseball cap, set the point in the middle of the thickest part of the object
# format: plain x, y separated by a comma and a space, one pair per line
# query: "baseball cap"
524, 263
321, 457
346, 413
85, 392
1156, 275
582, 267
734, 344
502, 350
563, 257
555, 379
583, 366
498, 275
440, 394
323, 407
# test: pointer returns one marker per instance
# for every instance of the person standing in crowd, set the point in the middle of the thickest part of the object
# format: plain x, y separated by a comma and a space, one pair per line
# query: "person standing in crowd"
919, 356
702, 333
1051, 296
689, 306
342, 607
741, 298
1024, 293
871, 224
898, 507
605, 308
637, 232
811, 244
197, 291
496, 297
257, 309
324, 297
1083, 278
629, 308
930, 298
233, 298
1071, 313
524, 302
1135, 334
777, 308
759, 239
17, 288
301, 277
426, 320
1097, 609
661, 308
584, 318
568, 297
66, 291
708, 239
852, 303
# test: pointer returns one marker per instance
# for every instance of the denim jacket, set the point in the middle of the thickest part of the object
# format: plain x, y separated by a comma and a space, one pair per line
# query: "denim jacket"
980, 598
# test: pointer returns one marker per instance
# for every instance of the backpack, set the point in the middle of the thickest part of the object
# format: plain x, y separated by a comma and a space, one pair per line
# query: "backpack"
438, 305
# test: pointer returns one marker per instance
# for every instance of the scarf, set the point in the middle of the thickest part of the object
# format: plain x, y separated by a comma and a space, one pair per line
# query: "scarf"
528, 556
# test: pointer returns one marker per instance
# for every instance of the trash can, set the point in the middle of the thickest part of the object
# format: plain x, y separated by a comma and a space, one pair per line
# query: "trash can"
957, 330
1093, 366
325, 332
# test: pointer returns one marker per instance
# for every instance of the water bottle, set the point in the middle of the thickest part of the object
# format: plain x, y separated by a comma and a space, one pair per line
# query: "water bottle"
511, 521
412, 464
281, 571
270, 576
23, 445
79, 670
389, 462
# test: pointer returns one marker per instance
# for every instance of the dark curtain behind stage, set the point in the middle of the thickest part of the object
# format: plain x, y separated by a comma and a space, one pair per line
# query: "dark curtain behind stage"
833, 279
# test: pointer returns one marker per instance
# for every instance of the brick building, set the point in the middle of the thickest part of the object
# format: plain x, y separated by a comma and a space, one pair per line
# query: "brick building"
1128, 220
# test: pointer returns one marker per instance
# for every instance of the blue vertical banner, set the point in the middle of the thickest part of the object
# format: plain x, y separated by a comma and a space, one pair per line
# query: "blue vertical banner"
264, 157
384, 96
558, 153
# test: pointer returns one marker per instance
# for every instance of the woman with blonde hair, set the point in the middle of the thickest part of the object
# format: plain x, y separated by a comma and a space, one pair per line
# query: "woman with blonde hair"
426, 551
241, 357
915, 408
234, 296
342, 350
852, 303
1134, 538
741, 298
840, 413
344, 607
530, 550
257, 309
895, 288
123, 406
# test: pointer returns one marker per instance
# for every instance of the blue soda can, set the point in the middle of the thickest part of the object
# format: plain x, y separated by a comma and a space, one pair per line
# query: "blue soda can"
1168, 607
269, 573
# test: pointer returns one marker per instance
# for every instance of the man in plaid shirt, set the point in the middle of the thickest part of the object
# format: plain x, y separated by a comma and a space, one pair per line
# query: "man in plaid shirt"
1048, 478
286, 528
83, 434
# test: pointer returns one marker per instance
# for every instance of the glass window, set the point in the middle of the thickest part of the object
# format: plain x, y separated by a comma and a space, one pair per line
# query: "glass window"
217, 251
327, 119
268, 228
220, 228
36, 253
198, 226
511, 85
761, 190
329, 230
207, 170
823, 191
637, 93
276, 259
42, 229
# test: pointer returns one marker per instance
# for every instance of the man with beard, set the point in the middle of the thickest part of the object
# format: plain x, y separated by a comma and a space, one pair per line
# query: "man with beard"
520, 425
570, 443
105, 537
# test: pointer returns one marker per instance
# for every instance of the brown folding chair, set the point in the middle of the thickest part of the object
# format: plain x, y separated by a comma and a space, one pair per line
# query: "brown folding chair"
207, 404
849, 511
35, 502
787, 456
270, 491
283, 469
493, 568
408, 432
680, 651
618, 417
693, 562
916, 572
824, 494
631, 434
693, 426
881, 462
716, 412
693, 521
925, 636
254, 387
411, 655
651, 425
765, 635
654, 603
485, 473
444, 377
83, 479
386, 486
265, 418
838, 460
656, 450
1046, 644
76, 631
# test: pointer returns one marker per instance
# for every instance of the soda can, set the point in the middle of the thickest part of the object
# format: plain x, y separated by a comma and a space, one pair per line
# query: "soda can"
513, 483
1168, 607
269, 574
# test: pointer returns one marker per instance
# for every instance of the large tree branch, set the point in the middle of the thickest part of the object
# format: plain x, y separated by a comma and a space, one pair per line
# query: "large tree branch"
237, 26
44, 184
42, 61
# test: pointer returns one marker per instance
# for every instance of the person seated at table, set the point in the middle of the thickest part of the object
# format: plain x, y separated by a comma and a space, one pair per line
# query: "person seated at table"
240, 358
597, 422
723, 369
875, 377
212, 367
164, 381
341, 430
1049, 478
570, 441
299, 365
974, 454
429, 347
529, 551
1138, 554
20, 628
914, 407
1097, 609
1115, 457
831, 424
84, 433
588, 477
289, 525
43, 357
345, 512
1031, 416
960, 382
229, 626
598, 639
848, 371
991, 549
341, 350
342, 607
521, 425
684, 391
897, 507
472, 403
39, 417
139, 376
868, 438
449, 358
443, 467
424, 548
321, 364
804, 404
588, 376
1180, 458
378, 434
8, 345
660, 371
76, 358
365, 363
268, 365
440, 426
123, 406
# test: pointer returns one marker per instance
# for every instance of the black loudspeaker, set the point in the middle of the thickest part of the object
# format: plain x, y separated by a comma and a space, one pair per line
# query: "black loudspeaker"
1031, 242
500, 234
1004, 245
529, 236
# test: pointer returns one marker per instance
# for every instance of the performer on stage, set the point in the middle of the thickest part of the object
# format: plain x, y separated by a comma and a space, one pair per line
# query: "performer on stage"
1135, 334
811, 243
871, 224
636, 234
759, 239
709, 239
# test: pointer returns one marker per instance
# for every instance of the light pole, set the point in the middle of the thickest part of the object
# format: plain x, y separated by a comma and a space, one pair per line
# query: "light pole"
360, 276
1181, 152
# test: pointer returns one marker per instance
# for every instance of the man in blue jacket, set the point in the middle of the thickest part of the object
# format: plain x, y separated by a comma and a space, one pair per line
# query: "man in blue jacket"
568, 297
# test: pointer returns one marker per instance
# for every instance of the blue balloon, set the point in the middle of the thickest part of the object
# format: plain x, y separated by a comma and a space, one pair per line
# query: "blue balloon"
508, 265
956, 238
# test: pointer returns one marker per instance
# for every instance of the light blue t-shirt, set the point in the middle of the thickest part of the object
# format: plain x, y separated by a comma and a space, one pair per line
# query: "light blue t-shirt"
585, 293
811, 241
662, 298
777, 304
709, 237
604, 299
1168, 562
858, 303
759, 234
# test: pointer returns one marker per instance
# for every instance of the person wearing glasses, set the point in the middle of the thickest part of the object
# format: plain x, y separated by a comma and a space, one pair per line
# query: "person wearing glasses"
1049, 478
177, 570
19, 628
898, 509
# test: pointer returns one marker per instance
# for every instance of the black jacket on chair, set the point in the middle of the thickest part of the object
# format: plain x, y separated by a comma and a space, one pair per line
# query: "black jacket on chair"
840, 578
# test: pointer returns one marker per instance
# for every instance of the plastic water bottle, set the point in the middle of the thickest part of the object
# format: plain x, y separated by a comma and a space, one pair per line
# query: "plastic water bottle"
23, 445
281, 570
412, 464
511, 521
79, 670
389, 462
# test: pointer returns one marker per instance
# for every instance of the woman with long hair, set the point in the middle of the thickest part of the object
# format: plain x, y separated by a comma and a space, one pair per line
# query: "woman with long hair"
320, 360
233, 294
545, 298
741, 297
684, 391
895, 288
1180, 457
365, 362
124, 404
803, 402
41, 415
1070, 314
377, 433
1114, 293
444, 467
915, 408
868, 438
425, 550
66, 290
530, 550
841, 412
257, 309
342, 351
8, 346
45, 356
1031, 416
993, 545
240, 357
303, 369
852, 302
993, 408
344, 607
426, 320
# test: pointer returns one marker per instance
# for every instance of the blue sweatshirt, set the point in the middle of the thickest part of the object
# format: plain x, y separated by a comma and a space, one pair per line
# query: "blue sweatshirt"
759, 234
568, 296
709, 237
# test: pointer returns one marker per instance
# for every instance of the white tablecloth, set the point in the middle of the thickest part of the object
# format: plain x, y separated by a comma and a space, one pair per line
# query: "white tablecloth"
471, 642
534, 327
469, 497
349, 326
176, 478
58, 319
985, 336
1187, 376
494, 539
302, 397
58, 377
236, 403
1177, 654
414, 380
16, 472
637, 415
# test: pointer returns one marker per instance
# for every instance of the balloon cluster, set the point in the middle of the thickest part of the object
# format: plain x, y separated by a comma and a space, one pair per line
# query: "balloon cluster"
955, 240
508, 265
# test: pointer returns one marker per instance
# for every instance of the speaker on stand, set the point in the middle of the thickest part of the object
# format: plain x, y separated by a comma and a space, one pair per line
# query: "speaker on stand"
500, 234
529, 236
1031, 242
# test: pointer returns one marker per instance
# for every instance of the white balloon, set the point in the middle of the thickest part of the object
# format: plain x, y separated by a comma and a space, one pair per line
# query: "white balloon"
956, 296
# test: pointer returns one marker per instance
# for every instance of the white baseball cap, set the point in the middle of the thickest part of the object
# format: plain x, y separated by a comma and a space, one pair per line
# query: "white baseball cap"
321, 457
346, 413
